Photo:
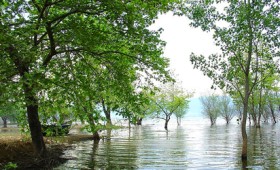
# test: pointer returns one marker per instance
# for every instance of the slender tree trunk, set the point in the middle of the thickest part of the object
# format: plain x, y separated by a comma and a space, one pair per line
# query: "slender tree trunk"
227, 119
108, 119
167, 118
259, 121
139, 121
96, 136
107, 113
260, 108
247, 88
273, 115
92, 126
129, 122
4, 122
178, 121
243, 126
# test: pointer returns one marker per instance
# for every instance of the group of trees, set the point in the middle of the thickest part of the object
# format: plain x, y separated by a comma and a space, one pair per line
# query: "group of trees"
214, 106
69, 59
78, 59
247, 33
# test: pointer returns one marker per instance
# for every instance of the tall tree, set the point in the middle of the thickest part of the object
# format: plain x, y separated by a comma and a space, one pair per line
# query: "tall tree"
40, 40
239, 30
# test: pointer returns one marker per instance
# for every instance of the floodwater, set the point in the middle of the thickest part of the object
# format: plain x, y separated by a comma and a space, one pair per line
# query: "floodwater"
193, 145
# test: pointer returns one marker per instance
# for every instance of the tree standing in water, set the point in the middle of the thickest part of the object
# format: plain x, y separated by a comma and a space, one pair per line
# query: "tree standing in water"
239, 30
170, 99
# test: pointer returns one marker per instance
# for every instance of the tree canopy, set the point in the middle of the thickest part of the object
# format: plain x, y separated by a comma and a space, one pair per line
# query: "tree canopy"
69, 48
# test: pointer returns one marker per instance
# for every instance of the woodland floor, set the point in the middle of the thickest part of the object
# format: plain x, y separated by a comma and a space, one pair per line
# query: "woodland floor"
16, 148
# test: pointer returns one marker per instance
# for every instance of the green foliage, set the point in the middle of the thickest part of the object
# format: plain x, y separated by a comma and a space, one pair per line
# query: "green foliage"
171, 99
233, 35
9, 111
247, 33
66, 56
10, 165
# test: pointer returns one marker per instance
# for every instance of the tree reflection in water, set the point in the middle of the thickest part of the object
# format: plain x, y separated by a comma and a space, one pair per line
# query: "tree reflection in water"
194, 145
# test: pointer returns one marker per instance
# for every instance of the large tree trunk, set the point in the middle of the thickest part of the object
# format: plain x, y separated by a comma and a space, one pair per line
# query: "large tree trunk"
33, 119
35, 127
4, 122
31, 102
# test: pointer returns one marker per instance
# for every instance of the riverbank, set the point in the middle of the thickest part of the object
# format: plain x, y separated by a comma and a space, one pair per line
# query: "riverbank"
17, 150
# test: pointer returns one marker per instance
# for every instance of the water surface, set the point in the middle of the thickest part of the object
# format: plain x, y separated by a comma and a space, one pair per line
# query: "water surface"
193, 145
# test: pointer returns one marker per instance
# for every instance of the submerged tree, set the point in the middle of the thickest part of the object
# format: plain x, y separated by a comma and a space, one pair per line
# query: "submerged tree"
244, 30
171, 99
210, 107
42, 40
226, 108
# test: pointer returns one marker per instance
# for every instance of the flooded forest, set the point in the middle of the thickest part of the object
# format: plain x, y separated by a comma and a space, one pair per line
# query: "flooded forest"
89, 85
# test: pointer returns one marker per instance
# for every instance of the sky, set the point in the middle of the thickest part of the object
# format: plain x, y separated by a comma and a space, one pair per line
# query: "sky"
182, 40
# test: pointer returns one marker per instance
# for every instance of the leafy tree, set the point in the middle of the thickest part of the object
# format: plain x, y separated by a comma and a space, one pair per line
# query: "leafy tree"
170, 99
210, 107
42, 42
145, 106
227, 109
181, 112
249, 30
8, 112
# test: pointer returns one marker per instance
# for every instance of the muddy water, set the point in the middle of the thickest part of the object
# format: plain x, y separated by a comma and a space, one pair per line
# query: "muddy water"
194, 145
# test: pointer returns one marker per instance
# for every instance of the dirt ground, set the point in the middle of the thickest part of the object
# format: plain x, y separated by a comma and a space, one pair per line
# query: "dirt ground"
16, 148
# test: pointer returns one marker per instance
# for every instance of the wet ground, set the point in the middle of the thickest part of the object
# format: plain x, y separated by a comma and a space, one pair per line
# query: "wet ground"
193, 145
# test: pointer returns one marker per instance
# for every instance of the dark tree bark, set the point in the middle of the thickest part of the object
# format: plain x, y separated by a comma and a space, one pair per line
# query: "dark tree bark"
35, 127
96, 136
33, 117
31, 101
167, 118
4, 121
139, 121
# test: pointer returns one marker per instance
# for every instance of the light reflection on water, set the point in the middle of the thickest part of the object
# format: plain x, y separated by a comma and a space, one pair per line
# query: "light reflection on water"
194, 145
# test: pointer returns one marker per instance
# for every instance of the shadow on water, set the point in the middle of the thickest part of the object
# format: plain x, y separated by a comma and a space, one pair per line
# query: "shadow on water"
195, 145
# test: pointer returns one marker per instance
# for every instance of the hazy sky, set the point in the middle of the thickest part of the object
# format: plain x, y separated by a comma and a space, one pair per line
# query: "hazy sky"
182, 40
